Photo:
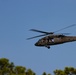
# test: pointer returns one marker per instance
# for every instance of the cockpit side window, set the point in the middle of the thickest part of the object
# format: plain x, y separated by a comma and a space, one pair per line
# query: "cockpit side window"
41, 40
52, 40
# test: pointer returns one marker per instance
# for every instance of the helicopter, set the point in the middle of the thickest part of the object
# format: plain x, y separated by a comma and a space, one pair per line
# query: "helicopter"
51, 38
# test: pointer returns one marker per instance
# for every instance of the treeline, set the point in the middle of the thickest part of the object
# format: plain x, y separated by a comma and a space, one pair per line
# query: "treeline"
8, 68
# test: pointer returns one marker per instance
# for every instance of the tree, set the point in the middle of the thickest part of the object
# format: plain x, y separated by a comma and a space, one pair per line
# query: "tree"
20, 70
8, 68
66, 71
4, 63
30, 72
44, 73
11, 67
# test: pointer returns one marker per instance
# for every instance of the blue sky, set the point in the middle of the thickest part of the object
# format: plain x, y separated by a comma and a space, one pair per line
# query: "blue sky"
18, 16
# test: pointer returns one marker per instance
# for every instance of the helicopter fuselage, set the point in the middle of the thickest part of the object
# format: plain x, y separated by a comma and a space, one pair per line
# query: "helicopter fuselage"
55, 40
51, 38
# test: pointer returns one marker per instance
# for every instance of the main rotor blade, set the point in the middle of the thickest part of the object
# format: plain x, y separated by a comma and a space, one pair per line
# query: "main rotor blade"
50, 33
36, 36
41, 31
47, 34
65, 28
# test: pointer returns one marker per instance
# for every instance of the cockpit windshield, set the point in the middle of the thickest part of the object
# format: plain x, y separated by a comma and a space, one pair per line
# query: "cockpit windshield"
41, 40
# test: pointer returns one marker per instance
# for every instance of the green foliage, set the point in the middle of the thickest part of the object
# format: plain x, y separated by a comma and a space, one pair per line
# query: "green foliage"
8, 68
49, 74
66, 71
20, 70
30, 72
44, 73
4, 63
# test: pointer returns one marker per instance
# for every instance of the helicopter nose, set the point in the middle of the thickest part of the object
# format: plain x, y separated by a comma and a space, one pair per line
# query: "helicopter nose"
36, 44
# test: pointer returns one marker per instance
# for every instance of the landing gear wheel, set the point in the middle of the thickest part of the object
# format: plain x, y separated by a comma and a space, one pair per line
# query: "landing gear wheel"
48, 47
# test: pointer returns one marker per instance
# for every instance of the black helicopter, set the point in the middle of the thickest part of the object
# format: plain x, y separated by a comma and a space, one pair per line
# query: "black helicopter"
53, 39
